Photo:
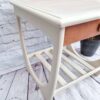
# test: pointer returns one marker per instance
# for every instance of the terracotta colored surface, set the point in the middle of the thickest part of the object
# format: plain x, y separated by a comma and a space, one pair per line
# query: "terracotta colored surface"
81, 31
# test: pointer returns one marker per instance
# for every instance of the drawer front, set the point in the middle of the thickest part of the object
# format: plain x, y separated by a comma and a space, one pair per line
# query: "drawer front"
81, 31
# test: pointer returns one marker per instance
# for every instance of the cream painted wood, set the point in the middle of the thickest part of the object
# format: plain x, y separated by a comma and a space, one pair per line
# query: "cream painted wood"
80, 60
49, 89
65, 69
48, 15
94, 63
79, 78
38, 52
74, 65
77, 11
77, 67
56, 62
58, 45
40, 23
48, 66
28, 65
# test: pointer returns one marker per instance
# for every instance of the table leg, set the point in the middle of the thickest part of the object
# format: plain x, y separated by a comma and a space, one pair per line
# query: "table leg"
48, 90
28, 64
56, 63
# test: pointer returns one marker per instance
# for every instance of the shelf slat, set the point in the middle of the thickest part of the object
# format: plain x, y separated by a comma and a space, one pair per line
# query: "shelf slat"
68, 72
74, 78
77, 67
77, 80
64, 68
80, 60
39, 52
48, 66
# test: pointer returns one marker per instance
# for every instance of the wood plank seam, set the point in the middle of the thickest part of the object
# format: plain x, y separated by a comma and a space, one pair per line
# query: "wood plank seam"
11, 84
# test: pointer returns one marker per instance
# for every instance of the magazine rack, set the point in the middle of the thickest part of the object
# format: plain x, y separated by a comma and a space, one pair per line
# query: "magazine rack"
64, 22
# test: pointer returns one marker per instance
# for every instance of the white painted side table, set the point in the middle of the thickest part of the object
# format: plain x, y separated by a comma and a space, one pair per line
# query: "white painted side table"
64, 22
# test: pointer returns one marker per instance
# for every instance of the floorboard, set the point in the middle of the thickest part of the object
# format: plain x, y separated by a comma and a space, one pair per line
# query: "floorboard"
84, 90
34, 92
5, 84
19, 85
18, 90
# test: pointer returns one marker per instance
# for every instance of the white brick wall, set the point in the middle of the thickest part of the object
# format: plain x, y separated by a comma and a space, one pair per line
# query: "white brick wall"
9, 34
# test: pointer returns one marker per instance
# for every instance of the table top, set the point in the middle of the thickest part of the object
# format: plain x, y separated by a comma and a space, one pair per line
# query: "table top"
63, 12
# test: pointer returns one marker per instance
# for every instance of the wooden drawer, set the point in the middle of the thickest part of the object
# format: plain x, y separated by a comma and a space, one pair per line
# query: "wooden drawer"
81, 31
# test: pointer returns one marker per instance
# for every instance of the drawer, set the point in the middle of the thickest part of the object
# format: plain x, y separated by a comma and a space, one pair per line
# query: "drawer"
81, 31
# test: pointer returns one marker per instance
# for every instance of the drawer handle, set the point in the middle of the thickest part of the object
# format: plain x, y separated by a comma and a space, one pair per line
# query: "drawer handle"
98, 28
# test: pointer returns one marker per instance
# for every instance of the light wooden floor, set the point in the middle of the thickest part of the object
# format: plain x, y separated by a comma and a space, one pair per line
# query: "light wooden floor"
19, 85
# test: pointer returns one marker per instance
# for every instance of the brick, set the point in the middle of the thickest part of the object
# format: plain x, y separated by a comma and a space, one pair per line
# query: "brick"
33, 34
9, 37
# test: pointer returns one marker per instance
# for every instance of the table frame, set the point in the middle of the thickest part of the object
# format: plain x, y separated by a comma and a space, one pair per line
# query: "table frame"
56, 35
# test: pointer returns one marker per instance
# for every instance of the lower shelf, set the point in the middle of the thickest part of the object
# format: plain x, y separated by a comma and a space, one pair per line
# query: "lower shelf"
72, 70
